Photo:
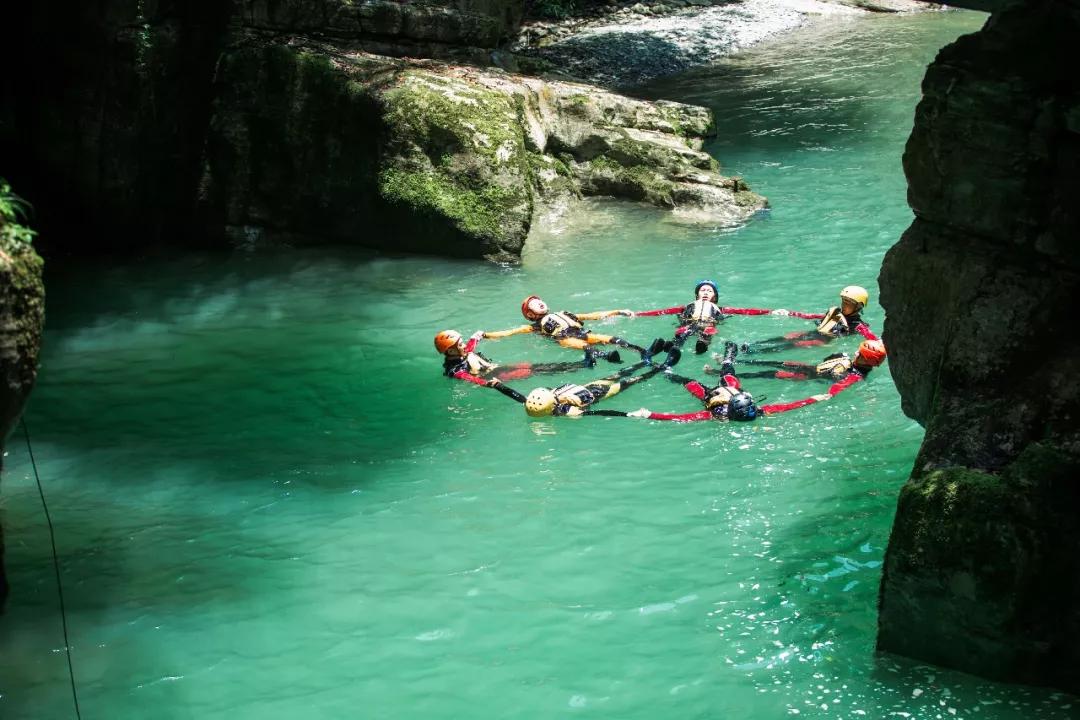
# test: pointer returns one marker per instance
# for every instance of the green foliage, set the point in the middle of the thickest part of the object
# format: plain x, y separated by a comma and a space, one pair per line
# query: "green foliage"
13, 209
552, 9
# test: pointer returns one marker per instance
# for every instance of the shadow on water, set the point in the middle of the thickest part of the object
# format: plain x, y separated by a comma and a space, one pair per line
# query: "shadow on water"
249, 363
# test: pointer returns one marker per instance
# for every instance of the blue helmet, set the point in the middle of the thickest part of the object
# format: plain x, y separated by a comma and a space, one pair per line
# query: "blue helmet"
742, 407
710, 283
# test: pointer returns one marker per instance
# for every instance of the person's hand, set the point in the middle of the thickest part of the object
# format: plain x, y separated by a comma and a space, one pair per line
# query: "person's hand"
780, 311
822, 397
640, 413
478, 335
625, 313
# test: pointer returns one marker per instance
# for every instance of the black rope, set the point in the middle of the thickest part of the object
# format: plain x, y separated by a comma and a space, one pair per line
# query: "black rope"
56, 567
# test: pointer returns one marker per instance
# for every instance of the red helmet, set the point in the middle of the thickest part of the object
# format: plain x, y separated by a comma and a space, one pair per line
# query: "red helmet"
533, 308
872, 352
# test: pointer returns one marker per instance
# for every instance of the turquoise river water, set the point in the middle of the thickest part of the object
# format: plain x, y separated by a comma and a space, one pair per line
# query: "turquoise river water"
270, 504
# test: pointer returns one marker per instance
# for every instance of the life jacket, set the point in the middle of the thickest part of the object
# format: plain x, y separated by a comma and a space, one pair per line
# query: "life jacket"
834, 323
557, 323
702, 311
576, 395
474, 363
834, 366
719, 395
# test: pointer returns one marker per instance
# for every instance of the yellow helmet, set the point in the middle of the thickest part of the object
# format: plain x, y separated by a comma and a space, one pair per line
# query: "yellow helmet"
540, 402
855, 294
446, 340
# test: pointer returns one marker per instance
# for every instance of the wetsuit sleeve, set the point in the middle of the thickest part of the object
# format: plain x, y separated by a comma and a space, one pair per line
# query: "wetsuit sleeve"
844, 384
745, 311
507, 333
506, 390
835, 388
471, 345
807, 316
682, 417
469, 377
491, 383
864, 330
776, 408
665, 311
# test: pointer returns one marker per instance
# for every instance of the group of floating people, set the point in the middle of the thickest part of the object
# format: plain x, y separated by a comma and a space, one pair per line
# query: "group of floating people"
724, 400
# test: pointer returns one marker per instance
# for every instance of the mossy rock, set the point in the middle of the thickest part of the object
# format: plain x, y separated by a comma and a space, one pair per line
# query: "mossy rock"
456, 150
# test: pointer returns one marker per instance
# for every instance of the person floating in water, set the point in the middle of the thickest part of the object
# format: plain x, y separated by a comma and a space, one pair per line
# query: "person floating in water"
702, 315
461, 361
833, 323
573, 400
840, 369
564, 327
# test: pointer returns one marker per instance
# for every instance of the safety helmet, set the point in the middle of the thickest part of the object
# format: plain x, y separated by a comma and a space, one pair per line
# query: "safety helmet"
540, 402
871, 352
533, 308
855, 294
446, 340
741, 407
710, 283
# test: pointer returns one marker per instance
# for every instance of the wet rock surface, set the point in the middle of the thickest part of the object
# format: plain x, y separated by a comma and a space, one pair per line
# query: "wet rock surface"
983, 567
633, 42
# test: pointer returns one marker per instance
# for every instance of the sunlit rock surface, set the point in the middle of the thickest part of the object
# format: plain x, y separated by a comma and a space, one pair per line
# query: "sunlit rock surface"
250, 124
983, 567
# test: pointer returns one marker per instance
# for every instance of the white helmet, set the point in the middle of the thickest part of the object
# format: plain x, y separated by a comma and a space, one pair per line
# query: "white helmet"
540, 402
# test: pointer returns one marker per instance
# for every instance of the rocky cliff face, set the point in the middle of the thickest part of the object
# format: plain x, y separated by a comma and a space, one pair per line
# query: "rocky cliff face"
22, 317
266, 122
983, 567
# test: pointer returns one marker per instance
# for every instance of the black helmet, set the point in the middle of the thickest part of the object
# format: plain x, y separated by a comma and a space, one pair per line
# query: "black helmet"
741, 407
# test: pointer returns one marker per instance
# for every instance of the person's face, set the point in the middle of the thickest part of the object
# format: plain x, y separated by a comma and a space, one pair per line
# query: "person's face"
538, 307
705, 292
848, 306
457, 350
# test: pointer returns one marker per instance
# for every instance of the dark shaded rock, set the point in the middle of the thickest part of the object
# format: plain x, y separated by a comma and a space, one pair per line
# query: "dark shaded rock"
262, 122
982, 566
22, 318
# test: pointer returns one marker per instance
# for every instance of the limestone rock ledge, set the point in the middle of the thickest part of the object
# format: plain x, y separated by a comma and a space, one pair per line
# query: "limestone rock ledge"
309, 141
982, 571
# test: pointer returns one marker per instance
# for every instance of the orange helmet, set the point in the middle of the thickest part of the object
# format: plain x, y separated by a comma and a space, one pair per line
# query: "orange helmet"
533, 308
446, 340
872, 352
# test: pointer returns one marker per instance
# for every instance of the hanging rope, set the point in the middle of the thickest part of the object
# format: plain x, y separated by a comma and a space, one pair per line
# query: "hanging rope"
56, 567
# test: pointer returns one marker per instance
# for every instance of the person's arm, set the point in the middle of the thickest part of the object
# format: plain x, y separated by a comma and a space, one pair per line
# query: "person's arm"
507, 333
677, 417
833, 390
806, 316
601, 314
692, 386
864, 330
746, 311
665, 311
491, 383
473, 340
